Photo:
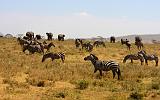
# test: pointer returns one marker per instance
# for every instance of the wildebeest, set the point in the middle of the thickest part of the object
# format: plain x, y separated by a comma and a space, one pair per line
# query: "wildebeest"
98, 43
112, 39
38, 37
139, 45
134, 57
61, 37
53, 56
49, 35
30, 35
149, 57
104, 65
138, 39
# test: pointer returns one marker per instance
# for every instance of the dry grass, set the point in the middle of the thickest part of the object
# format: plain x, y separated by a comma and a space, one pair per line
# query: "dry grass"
24, 76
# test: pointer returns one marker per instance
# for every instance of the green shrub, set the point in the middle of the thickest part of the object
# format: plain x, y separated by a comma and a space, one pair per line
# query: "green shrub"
82, 84
61, 95
135, 96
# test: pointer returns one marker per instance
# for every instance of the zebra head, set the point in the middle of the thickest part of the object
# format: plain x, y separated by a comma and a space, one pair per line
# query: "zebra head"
91, 57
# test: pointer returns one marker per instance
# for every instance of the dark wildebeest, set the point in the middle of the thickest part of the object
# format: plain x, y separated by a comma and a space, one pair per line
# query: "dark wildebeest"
134, 57
97, 43
49, 35
54, 56
104, 65
38, 37
112, 39
61, 37
139, 45
149, 57
30, 35
138, 39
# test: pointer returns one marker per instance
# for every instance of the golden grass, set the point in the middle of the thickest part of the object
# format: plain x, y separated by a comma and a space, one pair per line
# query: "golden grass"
24, 76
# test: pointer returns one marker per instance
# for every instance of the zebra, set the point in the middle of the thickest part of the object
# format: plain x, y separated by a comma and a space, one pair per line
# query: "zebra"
97, 43
48, 46
33, 48
134, 57
104, 65
54, 56
88, 46
149, 57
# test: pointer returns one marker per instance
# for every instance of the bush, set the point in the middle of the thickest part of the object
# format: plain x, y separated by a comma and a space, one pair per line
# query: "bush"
135, 96
155, 85
82, 84
61, 95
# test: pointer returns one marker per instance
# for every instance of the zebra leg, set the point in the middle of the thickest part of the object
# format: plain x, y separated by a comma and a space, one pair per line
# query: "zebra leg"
146, 61
114, 73
95, 70
131, 60
156, 62
100, 71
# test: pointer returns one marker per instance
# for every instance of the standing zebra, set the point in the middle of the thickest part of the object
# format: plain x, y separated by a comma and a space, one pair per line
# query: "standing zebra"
149, 57
104, 65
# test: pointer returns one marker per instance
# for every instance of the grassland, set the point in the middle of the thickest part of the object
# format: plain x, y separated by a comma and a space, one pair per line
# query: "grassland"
24, 76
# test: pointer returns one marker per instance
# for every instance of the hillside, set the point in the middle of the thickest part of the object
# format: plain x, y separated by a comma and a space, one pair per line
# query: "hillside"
145, 38
24, 76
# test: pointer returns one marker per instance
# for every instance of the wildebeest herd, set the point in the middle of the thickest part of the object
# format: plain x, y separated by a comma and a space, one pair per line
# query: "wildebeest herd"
32, 44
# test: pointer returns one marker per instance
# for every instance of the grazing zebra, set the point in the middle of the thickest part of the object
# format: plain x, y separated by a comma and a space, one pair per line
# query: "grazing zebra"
139, 45
104, 65
134, 57
97, 43
23, 41
88, 46
54, 56
149, 57
48, 46
33, 48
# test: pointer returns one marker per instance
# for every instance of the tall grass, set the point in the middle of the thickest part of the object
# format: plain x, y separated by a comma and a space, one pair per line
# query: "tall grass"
16, 65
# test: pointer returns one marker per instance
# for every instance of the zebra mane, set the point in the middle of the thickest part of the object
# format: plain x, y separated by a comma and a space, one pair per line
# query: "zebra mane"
92, 55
